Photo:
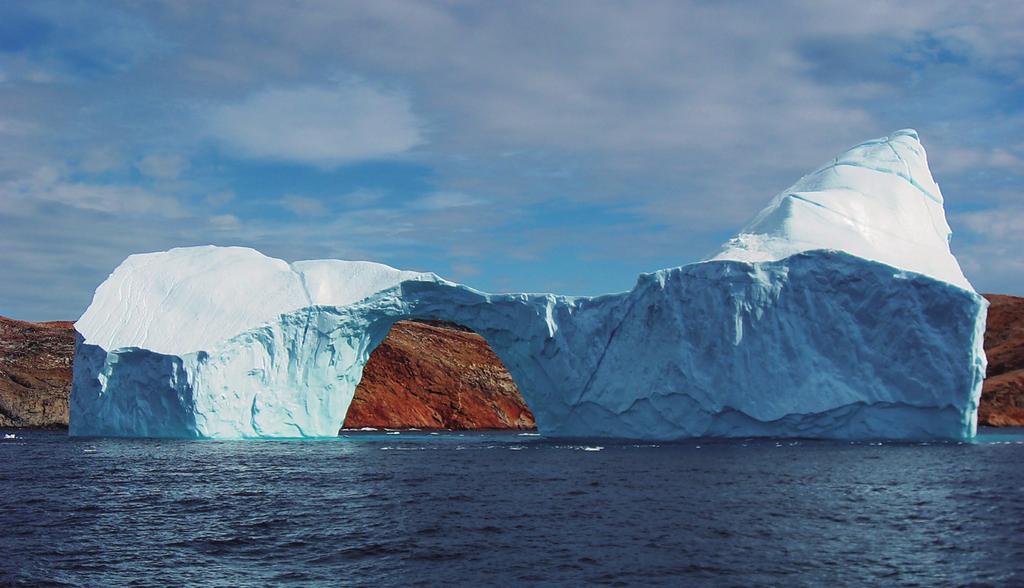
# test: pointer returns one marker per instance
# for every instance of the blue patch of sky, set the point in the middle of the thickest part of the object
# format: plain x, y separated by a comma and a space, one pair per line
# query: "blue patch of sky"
85, 40
21, 31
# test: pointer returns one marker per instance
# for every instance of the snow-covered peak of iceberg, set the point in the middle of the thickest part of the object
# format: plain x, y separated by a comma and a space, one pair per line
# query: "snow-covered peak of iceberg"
877, 201
190, 298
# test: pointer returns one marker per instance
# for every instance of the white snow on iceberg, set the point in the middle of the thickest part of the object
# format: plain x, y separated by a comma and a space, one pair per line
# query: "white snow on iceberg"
839, 311
877, 201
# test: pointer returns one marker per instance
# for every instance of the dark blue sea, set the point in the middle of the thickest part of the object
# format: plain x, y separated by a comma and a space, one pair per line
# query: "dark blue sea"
501, 509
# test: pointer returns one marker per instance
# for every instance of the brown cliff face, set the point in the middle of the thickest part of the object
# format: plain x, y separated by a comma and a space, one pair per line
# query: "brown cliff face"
436, 376
1002, 396
35, 373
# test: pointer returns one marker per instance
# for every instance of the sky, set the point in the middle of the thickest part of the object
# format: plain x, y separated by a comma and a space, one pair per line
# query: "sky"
513, 146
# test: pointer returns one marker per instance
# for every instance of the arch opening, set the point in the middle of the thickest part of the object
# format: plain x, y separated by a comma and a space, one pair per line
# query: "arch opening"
433, 374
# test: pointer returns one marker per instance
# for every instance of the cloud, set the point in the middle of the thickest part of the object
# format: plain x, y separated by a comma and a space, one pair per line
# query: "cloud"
219, 199
991, 247
464, 270
161, 166
993, 266
1002, 224
15, 127
361, 197
301, 205
322, 126
225, 221
49, 184
959, 159
444, 201
100, 160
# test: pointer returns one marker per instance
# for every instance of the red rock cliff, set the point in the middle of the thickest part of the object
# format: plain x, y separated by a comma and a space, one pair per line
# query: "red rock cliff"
436, 376
35, 373
1002, 396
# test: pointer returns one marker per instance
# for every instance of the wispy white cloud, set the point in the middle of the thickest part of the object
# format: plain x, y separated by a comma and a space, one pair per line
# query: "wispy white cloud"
101, 159
225, 221
361, 197
1004, 224
959, 159
991, 250
301, 205
464, 270
444, 201
50, 184
161, 166
323, 126
14, 128
219, 199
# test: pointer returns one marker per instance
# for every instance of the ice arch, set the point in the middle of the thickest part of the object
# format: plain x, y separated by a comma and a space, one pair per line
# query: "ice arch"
838, 312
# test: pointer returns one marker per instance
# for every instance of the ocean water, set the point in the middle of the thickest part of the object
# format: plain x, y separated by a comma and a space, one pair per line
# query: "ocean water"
472, 509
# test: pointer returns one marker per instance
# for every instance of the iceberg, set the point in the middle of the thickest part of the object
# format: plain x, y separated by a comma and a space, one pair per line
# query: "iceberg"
837, 312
